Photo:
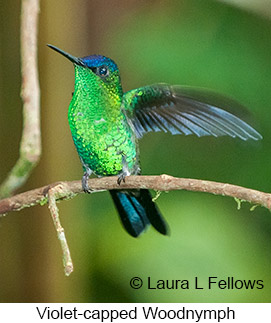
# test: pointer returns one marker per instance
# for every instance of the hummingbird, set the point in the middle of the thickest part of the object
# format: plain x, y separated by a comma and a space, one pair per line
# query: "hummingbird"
106, 124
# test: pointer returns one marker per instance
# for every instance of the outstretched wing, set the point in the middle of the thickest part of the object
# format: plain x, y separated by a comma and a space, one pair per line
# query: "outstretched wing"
184, 110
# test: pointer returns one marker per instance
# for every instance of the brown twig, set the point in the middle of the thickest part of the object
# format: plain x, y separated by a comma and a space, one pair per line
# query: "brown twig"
30, 148
159, 183
52, 197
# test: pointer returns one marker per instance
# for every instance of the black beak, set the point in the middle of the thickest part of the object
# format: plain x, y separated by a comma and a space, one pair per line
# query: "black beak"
73, 59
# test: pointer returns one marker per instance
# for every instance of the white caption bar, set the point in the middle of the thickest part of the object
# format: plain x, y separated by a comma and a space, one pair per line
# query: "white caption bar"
138, 312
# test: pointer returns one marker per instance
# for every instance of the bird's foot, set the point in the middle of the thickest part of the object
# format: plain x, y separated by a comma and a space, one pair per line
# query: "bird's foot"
85, 186
121, 178
125, 169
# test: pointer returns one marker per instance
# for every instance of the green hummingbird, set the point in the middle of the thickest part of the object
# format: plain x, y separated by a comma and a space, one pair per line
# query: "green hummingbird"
106, 124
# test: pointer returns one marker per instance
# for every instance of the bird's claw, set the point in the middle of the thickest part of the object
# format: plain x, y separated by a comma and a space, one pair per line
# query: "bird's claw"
121, 178
125, 169
87, 190
85, 186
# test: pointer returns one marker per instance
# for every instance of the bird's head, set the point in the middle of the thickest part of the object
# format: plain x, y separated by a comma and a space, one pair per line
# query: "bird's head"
96, 68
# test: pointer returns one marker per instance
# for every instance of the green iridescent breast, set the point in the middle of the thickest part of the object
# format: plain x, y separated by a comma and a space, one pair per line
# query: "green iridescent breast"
101, 134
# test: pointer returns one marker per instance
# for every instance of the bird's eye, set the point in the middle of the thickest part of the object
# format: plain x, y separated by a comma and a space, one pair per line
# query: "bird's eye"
102, 71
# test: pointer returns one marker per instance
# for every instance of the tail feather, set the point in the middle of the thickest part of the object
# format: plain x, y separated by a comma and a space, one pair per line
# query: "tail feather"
137, 211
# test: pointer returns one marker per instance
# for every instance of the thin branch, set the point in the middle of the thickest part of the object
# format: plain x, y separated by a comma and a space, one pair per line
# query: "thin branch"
52, 197
30, 147
160, 183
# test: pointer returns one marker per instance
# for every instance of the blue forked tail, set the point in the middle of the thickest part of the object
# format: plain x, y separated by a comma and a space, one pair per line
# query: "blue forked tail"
137, 211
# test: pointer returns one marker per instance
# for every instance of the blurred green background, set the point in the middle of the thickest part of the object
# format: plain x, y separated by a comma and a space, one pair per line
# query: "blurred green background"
202, 43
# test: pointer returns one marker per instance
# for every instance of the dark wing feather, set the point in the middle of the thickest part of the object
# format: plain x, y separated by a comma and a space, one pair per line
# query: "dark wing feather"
185, 110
